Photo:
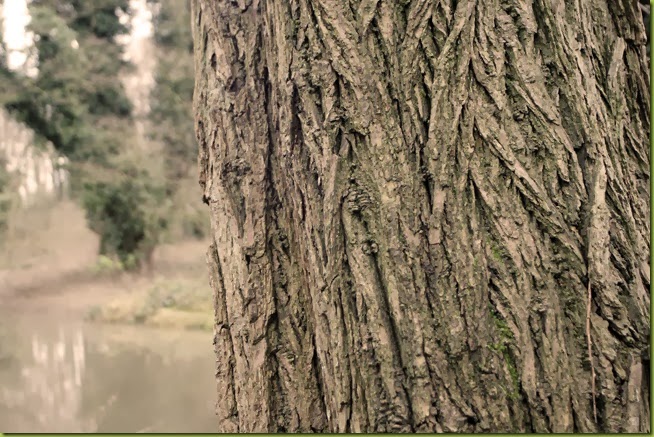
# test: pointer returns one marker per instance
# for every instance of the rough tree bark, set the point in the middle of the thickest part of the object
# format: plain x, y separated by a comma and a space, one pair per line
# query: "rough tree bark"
411, 204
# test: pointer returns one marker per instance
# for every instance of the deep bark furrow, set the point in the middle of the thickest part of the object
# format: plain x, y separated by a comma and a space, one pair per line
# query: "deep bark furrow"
226, 406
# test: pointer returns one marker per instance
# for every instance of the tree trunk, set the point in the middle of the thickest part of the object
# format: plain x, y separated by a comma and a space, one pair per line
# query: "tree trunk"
427, 215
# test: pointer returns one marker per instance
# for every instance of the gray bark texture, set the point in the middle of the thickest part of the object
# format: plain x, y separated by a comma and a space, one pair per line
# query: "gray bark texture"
427, 215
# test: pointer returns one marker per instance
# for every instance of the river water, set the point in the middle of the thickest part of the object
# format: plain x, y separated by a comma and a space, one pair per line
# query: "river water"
59, 375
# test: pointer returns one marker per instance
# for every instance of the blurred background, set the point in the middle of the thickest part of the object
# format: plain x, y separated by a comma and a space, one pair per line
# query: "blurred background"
105, 307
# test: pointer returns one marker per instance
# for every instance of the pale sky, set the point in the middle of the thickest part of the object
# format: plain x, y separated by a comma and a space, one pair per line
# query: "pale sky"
141, 27
15, 18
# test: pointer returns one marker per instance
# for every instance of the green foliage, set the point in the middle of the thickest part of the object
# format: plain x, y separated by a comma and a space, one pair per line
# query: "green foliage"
122, 211
77, 85
172, 111
99, 17
172, 117
107, 265
78, 103
113, 211
171, 24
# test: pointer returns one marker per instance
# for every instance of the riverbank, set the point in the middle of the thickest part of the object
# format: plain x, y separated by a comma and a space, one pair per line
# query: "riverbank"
180, 302
50, 264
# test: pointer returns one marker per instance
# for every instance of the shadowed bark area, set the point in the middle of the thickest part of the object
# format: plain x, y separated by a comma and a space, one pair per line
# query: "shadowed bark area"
412, 202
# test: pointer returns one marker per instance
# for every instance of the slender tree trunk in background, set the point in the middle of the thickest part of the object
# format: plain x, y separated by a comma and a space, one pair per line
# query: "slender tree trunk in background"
415, 203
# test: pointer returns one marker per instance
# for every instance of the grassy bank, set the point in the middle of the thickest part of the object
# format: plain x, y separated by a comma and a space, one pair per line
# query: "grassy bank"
178, 303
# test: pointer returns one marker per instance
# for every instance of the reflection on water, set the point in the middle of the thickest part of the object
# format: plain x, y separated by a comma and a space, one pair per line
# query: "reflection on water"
60, 376
50, 384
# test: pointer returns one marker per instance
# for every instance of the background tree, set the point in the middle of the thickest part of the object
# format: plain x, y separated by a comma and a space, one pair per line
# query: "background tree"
427, 215
172, 119
78, 102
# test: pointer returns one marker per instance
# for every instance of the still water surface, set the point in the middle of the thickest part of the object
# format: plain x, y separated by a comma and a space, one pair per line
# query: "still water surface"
70, 376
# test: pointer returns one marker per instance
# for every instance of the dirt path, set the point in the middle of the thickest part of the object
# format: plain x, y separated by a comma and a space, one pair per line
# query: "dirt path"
44, 246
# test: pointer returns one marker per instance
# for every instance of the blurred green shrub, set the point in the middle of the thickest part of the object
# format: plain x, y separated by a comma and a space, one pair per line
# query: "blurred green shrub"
107, 265
124, 213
